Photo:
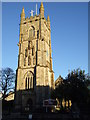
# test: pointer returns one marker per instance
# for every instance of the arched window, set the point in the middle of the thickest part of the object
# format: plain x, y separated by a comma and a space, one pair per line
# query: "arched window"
29, 83
32, 32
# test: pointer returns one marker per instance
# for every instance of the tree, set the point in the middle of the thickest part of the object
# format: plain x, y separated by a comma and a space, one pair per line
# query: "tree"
7, 82
74, 88
78, 87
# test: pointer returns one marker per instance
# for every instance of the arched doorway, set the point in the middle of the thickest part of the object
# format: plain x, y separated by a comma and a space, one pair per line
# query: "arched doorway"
30, 104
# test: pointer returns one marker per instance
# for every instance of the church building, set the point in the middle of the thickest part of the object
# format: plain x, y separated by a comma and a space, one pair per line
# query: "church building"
34, 75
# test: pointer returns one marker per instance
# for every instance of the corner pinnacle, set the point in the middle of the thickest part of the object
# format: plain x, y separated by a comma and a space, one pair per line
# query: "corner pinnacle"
23, 10
41, 5
48, 19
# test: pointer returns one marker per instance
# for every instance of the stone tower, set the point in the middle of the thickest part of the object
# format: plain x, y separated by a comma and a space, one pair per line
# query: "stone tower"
35, 77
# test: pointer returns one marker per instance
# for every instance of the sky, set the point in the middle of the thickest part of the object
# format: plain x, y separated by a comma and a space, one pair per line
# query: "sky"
69, 34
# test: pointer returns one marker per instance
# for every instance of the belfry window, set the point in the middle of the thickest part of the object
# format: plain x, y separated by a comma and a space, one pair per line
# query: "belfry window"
32, 32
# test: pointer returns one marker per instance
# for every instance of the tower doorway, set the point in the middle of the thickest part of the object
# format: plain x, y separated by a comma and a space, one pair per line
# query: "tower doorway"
30, 104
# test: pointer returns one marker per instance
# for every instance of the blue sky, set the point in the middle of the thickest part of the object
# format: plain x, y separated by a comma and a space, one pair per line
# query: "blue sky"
69, 34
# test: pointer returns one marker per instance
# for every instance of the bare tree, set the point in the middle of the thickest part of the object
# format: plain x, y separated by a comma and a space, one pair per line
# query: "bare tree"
7, 81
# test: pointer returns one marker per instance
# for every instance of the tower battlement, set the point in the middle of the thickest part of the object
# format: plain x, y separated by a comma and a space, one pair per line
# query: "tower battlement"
35, 18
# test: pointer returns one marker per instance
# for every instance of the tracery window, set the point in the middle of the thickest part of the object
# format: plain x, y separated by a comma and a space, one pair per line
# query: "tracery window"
29, 81
32, 32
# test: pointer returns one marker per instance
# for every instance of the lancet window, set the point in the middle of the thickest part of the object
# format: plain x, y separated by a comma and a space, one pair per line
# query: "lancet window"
29, 60
33, 51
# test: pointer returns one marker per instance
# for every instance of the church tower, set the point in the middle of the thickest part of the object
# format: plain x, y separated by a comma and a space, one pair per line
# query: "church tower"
35, 76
